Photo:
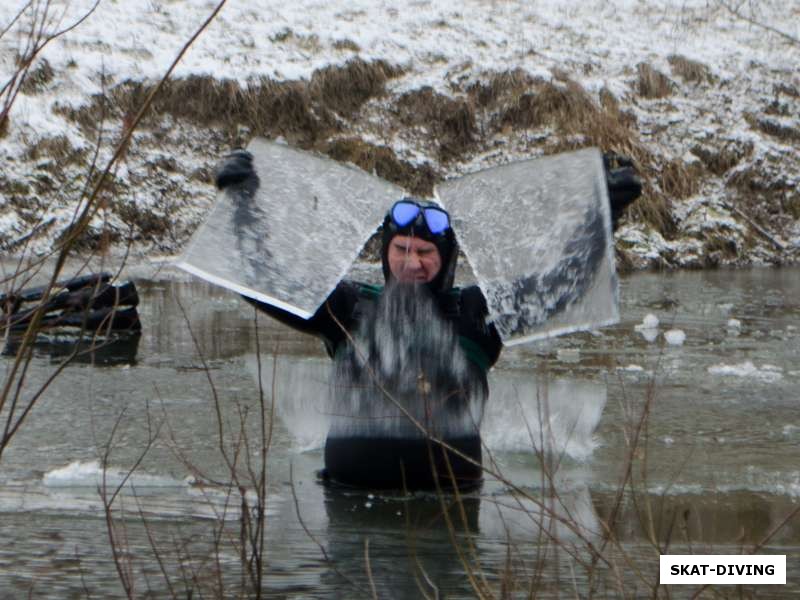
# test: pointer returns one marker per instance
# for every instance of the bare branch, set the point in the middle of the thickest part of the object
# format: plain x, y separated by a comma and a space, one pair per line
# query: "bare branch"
737, 12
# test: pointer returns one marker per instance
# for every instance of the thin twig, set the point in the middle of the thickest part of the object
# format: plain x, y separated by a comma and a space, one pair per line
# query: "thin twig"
737, 13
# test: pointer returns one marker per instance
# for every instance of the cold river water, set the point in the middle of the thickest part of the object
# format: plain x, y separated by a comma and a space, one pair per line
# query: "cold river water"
716, 470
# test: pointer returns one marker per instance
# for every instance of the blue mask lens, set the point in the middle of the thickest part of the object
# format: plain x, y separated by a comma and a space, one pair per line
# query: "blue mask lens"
437, 220
404, 213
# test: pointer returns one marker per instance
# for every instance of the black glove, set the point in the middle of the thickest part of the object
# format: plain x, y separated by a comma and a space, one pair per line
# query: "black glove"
235, 169
624, 185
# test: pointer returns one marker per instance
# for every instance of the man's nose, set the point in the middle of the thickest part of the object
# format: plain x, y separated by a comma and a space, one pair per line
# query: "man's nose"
412, 262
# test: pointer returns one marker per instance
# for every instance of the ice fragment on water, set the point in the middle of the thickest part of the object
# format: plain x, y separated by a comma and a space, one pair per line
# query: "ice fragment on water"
747, 369
632, 368
650, 322
649, 334
675, 337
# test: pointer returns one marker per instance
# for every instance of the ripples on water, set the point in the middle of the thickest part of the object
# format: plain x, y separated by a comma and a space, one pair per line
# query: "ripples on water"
722, 469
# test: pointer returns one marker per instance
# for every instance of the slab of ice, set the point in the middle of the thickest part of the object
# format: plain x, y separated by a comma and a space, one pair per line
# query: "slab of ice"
538, 236
292, 239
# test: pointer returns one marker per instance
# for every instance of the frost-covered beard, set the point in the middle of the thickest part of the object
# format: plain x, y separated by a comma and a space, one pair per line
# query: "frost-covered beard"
405, 349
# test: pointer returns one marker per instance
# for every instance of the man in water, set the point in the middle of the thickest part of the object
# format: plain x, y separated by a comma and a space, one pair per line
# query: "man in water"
411, 358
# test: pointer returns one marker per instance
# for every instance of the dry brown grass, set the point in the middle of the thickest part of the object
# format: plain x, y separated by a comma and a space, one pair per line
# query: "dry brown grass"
719, 247
144, 223
344, 89
787, 90
501, 87
450, 122
515, 100
569, 110
773, 128
38, 78
300, 111
57, 147
689, 70
681, 180
652, 83
563, 106
654, 208
720, 159
768, 200
346, 44
417, 179
792, 204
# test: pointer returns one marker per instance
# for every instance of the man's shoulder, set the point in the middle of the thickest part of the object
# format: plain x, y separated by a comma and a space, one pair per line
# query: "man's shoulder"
470, 295
359, 289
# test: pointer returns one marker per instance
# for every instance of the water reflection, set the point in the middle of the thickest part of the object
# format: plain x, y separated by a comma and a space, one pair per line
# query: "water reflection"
705, 521
525, 412
115, 350
398, 542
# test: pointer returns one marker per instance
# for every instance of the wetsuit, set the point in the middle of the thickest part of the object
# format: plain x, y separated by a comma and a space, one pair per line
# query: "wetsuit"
431, 352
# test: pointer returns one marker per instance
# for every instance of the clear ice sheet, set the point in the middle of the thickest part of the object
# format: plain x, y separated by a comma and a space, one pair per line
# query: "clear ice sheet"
538, 236
292, 241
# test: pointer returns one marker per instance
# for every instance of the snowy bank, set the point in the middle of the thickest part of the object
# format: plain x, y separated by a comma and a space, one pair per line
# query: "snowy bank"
707, 101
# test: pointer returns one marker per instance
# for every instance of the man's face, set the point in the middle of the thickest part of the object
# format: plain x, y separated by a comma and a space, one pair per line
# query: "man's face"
412, 260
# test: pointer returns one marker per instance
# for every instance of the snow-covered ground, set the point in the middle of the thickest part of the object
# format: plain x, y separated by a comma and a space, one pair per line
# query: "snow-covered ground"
745, 101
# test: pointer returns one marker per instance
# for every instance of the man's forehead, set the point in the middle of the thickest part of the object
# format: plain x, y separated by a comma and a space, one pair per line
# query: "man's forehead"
408, 241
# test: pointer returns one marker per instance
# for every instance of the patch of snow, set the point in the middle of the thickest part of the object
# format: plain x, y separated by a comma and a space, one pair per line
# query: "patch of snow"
598, 43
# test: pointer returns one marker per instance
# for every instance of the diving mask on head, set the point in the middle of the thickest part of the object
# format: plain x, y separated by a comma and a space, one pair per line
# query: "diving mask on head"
408, 212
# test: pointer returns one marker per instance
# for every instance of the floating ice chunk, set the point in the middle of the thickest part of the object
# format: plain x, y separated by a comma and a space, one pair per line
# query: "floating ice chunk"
748, 369
648, 328
649, 322
632, 369
76, 473
90, 474
675, 337
789, 430
649, 334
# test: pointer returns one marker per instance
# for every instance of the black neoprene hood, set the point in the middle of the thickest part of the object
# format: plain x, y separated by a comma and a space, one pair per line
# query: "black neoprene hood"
445, 243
